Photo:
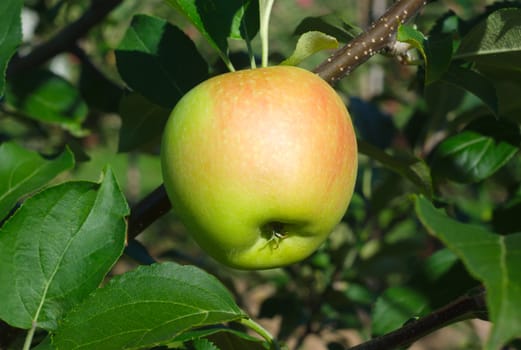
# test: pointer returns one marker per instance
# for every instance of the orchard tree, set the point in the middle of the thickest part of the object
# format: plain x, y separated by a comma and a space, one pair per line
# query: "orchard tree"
254, 125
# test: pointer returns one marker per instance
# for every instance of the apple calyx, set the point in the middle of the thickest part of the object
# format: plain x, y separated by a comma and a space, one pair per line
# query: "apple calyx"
274, 232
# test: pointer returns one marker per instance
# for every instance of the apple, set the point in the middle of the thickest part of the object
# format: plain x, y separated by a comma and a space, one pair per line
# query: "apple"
260, 165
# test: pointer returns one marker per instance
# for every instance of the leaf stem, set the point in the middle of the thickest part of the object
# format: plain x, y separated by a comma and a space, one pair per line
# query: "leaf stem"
263, 332
29, 337
227, 61
265, 13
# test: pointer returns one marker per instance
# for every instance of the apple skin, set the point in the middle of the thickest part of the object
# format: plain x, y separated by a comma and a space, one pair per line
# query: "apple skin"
260, 165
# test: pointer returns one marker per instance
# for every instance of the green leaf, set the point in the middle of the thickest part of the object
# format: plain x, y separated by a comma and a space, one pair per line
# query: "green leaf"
436, 51
395, 307
48, 98
475, 83
412, 36
23, 171
329, 24
147, 307
98, 91
219, 20
159, 61
220, 334
204, 344
57, 248
471, 156
495, 40
308, 44
142, 122
491, 258
10, 34
414, 169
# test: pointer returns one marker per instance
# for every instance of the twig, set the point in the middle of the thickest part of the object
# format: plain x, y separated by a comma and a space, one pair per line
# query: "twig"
64, 39
472, 305
380, 36
148, 210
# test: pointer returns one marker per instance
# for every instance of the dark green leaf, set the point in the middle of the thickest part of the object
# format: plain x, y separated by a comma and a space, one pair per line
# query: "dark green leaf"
328, 24
371, 124
57, 248
23, 171
48, 98
159, 61
147, 307
98, 91
506, 216
10, 34
494, 47
443, 268
495, 40
475, 83
471, 156
142, 123
414, 169
491, 258
395, 307
219, 20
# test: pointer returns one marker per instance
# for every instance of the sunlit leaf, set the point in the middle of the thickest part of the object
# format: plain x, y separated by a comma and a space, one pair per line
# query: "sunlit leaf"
308, 44
147, 307
491, 258
57, 248
23, 171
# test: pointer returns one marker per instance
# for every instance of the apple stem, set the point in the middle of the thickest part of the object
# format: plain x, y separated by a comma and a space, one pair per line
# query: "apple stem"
263, 332
265, 7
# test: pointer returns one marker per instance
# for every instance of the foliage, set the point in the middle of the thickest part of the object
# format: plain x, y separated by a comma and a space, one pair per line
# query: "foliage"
432, 232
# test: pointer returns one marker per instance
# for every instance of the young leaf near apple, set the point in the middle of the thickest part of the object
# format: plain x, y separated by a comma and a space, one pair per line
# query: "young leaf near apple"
260, 165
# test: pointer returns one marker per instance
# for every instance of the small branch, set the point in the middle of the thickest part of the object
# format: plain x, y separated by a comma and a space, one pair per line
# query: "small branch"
380, 36
148, 210
64, 39
472, 305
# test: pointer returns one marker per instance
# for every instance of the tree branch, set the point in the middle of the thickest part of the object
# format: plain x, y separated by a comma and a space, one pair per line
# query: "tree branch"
380, 36
148, 210
64, 39
472, 305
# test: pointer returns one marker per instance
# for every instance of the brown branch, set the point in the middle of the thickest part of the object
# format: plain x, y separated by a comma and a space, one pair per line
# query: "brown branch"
380, 36
148, 210
64, 39
472, 305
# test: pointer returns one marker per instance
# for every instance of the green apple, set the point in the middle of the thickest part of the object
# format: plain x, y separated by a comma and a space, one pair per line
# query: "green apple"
260, 165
